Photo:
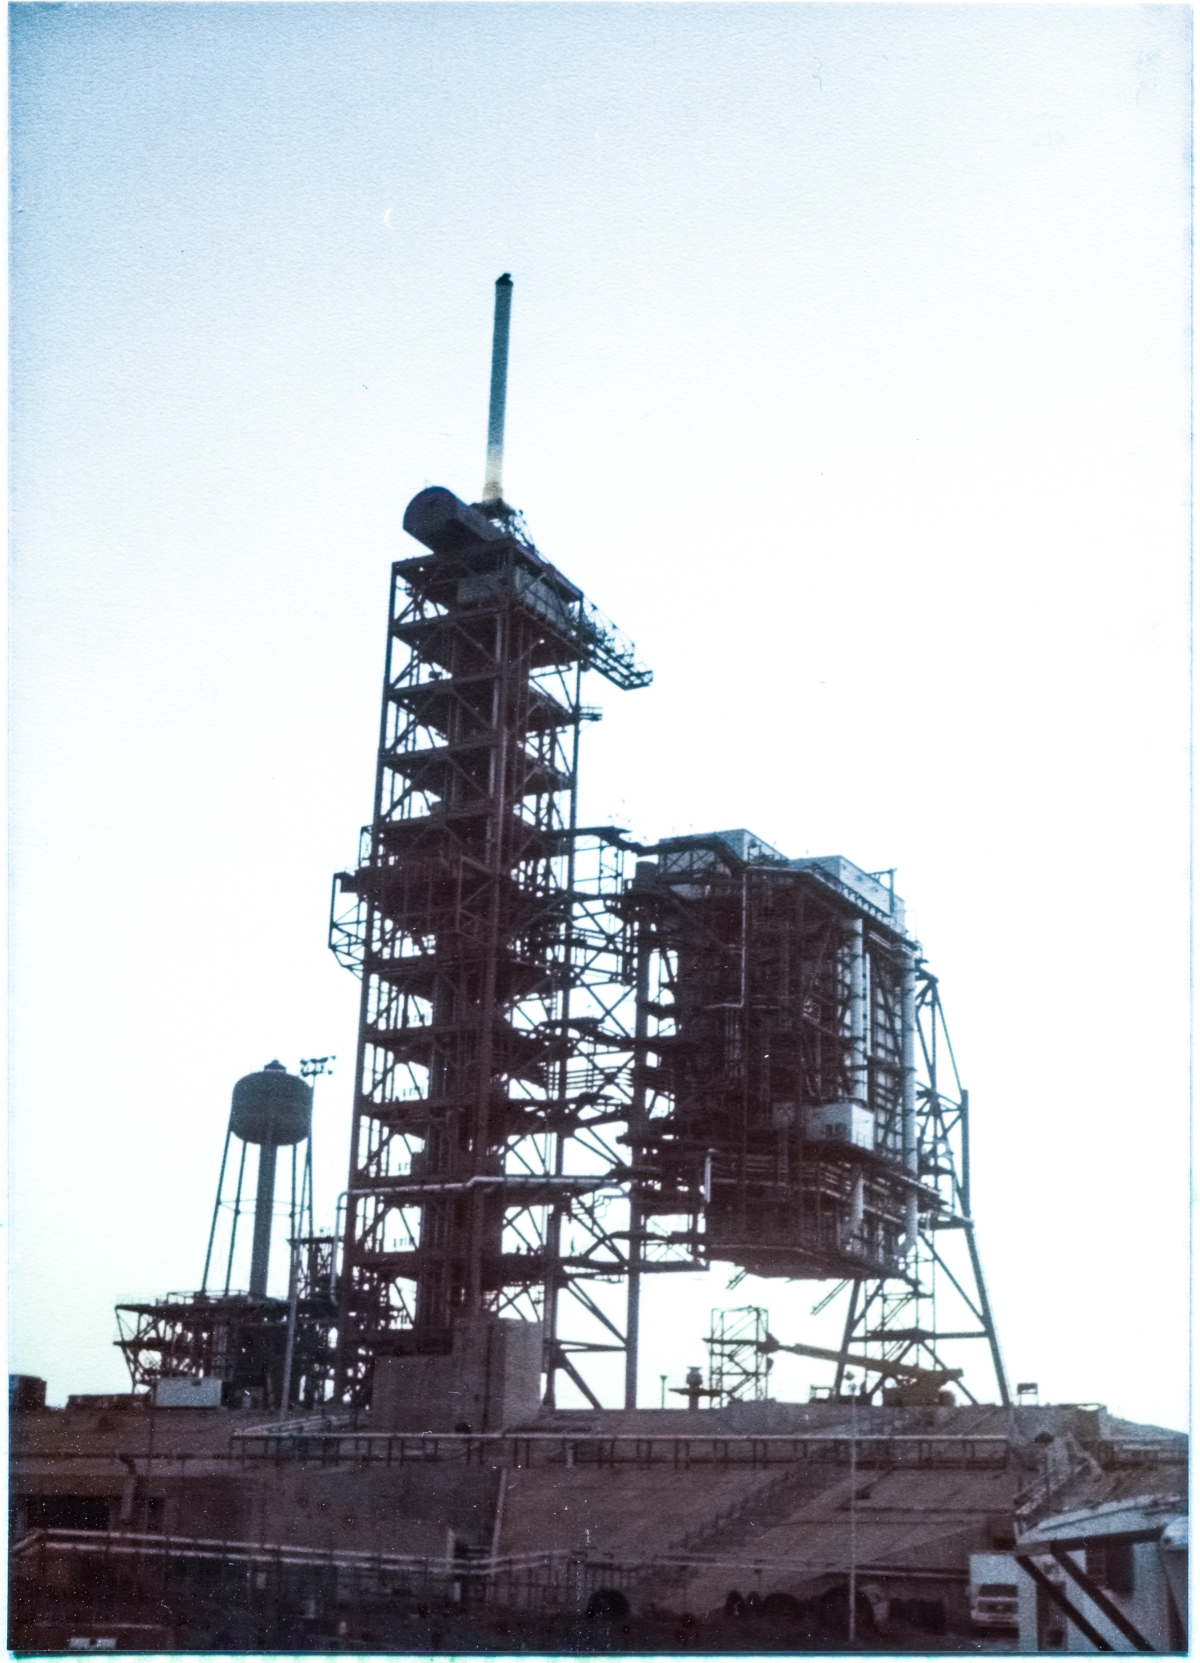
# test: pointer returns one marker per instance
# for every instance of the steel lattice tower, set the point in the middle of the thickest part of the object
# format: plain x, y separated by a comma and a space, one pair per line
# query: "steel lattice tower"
466, 932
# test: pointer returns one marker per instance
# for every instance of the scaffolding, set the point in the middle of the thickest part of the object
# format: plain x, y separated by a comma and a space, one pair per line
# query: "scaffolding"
739, 1369
239, 1339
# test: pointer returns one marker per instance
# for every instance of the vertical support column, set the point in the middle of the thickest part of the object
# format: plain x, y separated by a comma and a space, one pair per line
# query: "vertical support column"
550, 1296
212, 1234
964, 1121
909, 1110
237, 1213
989, 1325
349, 1361
554, 1222
289, 1350
505, 703
859, 1086
637, 1118
633, 1301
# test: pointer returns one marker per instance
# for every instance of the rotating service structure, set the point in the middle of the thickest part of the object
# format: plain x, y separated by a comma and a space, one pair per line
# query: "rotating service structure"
787, 1067
795, 1095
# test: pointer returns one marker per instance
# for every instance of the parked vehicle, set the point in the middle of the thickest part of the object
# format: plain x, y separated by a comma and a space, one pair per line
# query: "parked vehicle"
994, 1600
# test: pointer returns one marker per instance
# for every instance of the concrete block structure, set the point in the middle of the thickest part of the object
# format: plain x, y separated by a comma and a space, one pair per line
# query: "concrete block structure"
488, 1378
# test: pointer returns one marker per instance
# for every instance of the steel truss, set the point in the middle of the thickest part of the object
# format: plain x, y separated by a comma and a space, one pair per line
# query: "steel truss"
496, 1016
942, 1299
237, 1339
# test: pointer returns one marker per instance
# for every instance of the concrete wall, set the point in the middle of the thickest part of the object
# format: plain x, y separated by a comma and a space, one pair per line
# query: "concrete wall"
490, 1379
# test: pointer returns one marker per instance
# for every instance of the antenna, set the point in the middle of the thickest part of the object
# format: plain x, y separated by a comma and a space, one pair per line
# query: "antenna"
495, 439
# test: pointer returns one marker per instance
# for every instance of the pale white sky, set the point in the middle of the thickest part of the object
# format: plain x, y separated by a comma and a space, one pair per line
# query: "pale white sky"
850, 375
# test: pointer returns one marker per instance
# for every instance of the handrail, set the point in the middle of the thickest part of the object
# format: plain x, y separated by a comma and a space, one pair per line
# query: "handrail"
129, 1543
734, 1439
311, 1424
679, 1450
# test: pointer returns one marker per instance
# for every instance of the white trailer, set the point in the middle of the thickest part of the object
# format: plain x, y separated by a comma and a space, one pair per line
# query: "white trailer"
994, 1592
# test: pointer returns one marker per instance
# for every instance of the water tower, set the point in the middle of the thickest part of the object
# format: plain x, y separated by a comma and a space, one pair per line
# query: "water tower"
271, 1110
240, 1344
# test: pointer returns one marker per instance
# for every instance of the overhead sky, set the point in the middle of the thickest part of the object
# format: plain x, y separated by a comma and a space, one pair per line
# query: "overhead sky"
850, 375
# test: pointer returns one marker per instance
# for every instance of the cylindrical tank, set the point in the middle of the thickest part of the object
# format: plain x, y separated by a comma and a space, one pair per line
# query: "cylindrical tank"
438, 519
272, 1107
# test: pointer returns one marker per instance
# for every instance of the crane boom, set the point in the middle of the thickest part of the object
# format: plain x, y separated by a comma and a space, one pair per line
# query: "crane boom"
877, 1365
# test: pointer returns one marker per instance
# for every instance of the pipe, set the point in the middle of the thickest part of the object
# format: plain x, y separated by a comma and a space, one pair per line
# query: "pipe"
857, 1187
289, 1352
858, 1015
264, 1206
964, 1183
852, 1591
910, 1098
499, 390
637, 1122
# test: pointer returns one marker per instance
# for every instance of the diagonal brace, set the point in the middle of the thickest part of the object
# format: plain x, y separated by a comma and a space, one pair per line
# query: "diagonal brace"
1099, 1598
568, 1367
1055, 1593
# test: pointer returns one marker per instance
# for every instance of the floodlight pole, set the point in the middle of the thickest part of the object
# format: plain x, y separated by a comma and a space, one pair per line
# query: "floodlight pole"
851, 1625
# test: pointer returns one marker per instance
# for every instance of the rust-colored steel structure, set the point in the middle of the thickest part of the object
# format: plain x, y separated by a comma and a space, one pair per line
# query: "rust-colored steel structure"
734, 1054
470, 931
241, 1339
797, 1104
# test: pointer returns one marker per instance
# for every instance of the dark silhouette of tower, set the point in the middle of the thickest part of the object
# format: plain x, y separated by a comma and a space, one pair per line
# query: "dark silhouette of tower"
463, 928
